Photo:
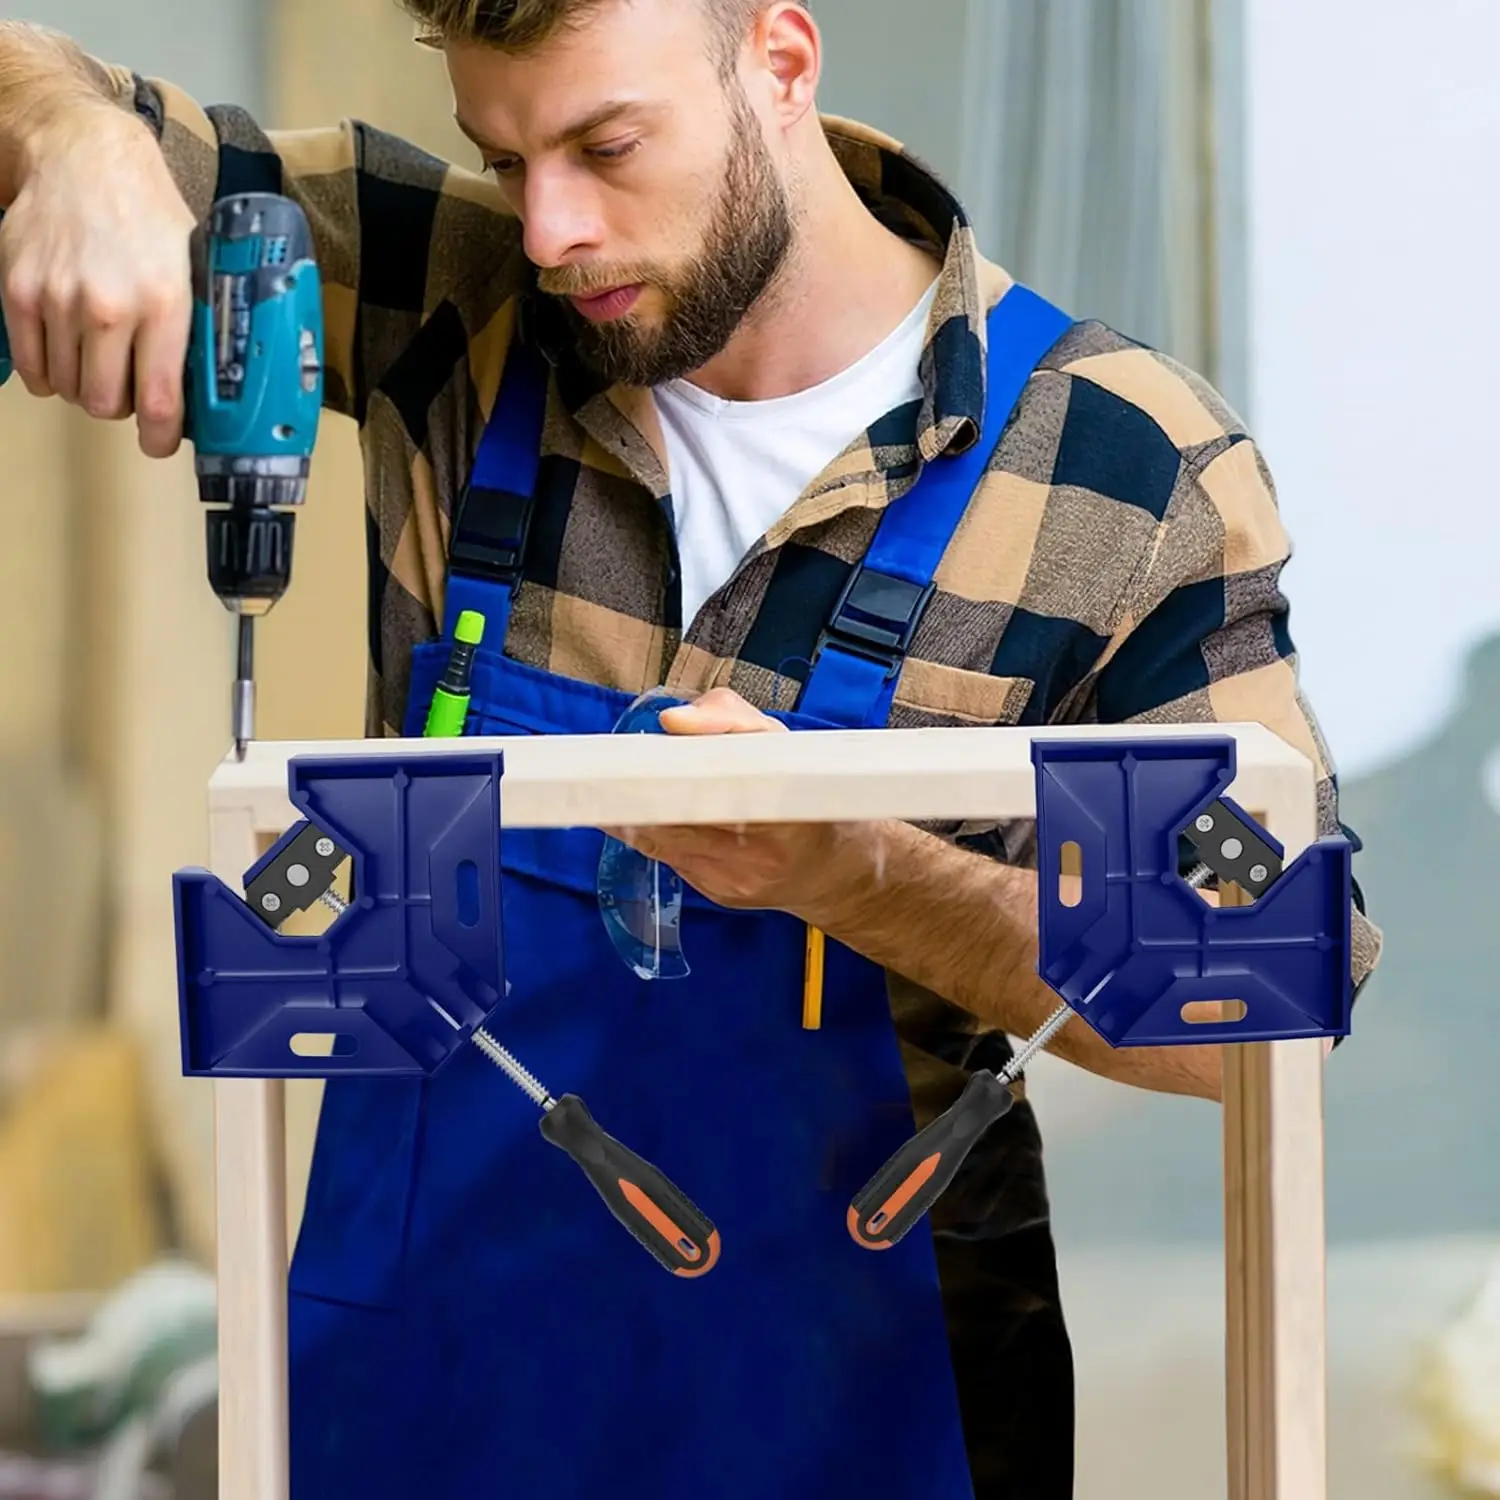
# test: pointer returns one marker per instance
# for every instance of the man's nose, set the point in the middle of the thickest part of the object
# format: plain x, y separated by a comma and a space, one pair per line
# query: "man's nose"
559, 218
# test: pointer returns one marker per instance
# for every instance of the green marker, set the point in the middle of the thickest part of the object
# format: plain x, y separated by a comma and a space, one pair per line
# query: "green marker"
450, 703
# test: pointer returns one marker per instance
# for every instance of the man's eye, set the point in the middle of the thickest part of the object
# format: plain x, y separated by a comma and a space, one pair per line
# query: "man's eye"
503, 166
616, 152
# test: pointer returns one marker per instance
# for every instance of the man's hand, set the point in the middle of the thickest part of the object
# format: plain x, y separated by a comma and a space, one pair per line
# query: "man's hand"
94, 264
760, 866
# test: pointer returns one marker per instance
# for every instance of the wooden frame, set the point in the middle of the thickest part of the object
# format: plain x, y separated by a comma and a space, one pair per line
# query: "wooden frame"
1273, 1100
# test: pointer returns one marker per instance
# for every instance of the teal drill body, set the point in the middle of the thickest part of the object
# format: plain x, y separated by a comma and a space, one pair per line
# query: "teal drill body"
255, 370
253, 392
254, 389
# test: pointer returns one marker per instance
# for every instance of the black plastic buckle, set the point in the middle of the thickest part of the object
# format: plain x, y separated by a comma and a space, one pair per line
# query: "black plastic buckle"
876, 617
489, 540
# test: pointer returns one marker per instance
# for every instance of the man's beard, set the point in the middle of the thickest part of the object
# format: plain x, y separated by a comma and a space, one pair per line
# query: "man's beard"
747, 241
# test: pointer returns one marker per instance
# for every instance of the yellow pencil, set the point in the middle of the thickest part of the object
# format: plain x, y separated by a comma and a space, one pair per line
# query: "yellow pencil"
812, 982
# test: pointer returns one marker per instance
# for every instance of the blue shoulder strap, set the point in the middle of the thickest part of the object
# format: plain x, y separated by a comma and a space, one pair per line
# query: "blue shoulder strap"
860, 652
489, 532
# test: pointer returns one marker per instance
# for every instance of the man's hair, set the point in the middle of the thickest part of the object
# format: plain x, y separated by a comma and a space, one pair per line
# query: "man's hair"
521, 26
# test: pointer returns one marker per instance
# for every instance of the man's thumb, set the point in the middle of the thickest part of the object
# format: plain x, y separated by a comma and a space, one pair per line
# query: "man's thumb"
717, 712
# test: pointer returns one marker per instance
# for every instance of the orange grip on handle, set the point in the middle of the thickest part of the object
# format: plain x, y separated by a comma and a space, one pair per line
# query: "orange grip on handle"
650, 1206
920, 1172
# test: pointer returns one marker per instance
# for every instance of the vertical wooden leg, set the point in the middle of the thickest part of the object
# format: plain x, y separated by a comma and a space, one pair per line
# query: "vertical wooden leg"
250, 1170
250, 1247
1275, 1271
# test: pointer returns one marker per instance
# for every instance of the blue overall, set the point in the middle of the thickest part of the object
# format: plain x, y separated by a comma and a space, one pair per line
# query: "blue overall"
467, 1319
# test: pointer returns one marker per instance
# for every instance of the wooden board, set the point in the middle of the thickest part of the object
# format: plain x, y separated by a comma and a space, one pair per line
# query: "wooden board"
567, 781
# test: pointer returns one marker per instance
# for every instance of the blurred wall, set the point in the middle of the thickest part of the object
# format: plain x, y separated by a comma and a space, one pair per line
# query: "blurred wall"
217, 50
877, 71
1373, 267
114, 711
1375, 136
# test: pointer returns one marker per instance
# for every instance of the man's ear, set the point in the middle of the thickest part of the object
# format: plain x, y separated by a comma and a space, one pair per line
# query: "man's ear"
786, 43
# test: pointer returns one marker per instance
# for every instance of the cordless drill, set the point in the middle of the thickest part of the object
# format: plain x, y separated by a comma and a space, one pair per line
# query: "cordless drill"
254, 394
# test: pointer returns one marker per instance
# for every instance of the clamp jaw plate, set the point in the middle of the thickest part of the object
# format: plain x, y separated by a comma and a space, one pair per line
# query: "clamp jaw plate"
403, 977
1141, 945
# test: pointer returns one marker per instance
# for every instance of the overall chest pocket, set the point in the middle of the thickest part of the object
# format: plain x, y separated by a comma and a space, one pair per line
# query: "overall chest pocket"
496, 707
932, 695
509, 698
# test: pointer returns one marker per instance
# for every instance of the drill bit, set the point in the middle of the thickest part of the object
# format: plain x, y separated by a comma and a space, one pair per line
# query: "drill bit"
242, 706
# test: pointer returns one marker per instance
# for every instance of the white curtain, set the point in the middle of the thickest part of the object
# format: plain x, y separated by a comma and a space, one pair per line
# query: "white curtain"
1097, 155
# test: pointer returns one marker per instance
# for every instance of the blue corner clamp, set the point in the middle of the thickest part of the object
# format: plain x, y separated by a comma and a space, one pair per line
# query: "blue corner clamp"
1141, 944
403, 977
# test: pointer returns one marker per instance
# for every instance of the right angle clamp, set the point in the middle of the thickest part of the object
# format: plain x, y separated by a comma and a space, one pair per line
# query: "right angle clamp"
1128, 833
1140, 945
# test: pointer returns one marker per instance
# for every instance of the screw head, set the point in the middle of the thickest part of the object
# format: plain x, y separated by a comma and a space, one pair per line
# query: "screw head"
324, 847
1231, 848
1258, 873
270, 901
1204, 823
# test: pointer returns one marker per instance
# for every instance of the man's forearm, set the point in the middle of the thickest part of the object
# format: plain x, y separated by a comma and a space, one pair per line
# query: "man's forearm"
964, 927
41, 72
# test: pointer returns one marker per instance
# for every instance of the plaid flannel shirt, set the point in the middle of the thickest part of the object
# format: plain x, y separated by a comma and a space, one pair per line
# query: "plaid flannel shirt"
1118, 563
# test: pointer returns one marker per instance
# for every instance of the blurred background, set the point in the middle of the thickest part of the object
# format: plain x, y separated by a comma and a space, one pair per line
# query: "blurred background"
1296, 199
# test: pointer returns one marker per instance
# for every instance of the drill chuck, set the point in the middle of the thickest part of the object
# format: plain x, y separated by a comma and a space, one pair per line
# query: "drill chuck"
250, 556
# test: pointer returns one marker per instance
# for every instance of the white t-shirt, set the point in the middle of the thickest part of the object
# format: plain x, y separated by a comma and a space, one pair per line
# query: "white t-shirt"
738, 466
